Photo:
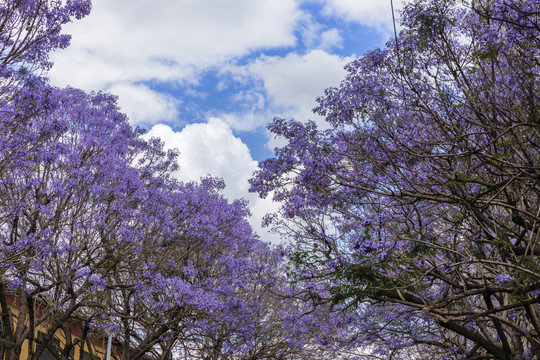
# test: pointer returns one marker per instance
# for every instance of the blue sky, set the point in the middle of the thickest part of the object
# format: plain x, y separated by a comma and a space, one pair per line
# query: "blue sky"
206, 76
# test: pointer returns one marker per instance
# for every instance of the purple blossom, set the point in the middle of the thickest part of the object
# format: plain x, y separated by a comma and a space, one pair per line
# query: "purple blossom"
420, 179
502, 279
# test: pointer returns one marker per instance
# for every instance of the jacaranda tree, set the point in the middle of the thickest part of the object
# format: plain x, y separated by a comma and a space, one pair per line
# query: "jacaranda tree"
419, 207
97, 235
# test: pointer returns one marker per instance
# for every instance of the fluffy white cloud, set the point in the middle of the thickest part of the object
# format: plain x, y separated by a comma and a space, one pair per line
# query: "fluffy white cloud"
295, 81
330, 39
122, 44
377, 14
248, 120
144, 106
316, 36
291, 84
211, 149
168, 40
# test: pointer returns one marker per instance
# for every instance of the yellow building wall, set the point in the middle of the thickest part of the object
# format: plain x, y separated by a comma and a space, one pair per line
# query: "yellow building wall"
98, 348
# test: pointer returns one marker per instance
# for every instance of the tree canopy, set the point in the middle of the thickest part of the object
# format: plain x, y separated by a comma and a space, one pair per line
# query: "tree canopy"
96, 234
413, 213
417, 205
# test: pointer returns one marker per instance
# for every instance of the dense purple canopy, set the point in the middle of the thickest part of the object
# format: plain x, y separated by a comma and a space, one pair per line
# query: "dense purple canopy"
420, 205
95, 231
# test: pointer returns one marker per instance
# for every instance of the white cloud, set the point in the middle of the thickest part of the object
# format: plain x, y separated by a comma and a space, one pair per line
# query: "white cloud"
291, 83
143, 105
248, 120
296, 81
330, 39
211, 149
315, 35
168, 40
309, 30
250, 97
373, 13
123, 44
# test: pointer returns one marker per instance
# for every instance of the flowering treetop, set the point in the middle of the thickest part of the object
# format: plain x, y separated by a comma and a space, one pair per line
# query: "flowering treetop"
419, 207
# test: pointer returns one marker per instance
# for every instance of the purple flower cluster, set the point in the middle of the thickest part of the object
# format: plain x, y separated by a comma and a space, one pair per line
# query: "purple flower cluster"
95, 229
425, 188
